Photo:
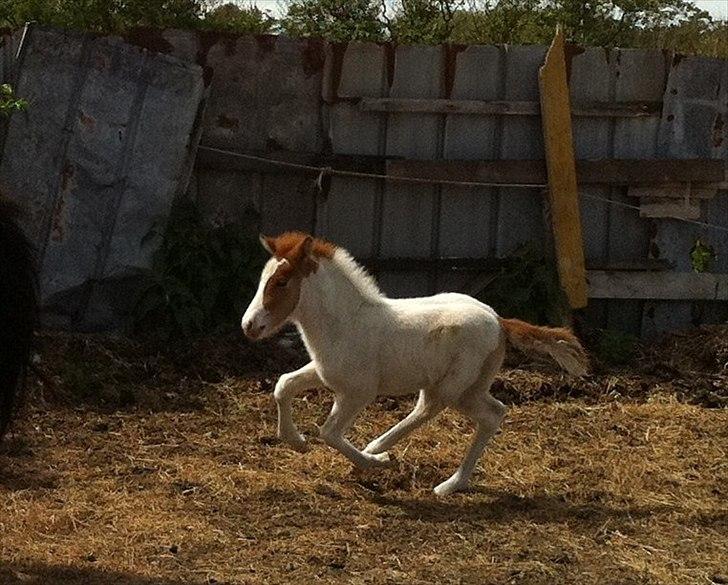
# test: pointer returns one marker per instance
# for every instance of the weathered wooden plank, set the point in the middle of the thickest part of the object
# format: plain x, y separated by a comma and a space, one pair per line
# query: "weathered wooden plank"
672, 209
676, 286
674, 191
502, 108
593, 172
562, 192
470, 264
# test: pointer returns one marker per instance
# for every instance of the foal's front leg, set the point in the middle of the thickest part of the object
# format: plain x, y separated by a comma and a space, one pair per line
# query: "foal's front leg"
346, 408
425, 409
288, 387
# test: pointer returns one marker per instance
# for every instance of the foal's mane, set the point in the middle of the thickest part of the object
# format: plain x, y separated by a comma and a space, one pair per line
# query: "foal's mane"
338, 259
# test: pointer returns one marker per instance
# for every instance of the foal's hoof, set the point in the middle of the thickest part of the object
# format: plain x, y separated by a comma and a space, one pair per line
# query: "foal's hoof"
383, 460
372, 448
297, 442
450, 487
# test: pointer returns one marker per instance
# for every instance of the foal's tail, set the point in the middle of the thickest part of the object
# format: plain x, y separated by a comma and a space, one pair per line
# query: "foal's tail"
18, 310
557, 342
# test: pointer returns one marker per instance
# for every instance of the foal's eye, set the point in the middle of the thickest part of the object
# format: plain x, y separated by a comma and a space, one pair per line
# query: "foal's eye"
282, 283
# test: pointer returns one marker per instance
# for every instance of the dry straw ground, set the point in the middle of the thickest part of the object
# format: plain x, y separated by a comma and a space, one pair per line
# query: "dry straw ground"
144, 467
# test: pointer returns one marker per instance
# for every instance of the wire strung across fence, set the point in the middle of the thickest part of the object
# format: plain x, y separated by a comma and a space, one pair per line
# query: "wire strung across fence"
324, 171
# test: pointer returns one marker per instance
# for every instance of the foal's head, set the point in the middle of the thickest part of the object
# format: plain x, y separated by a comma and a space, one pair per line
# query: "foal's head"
294, 256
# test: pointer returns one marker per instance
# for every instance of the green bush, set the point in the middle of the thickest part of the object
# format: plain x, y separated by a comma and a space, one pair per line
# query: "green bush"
679, 25
116, 16
615, 348
202, 277
9, 102
337, 20
526, 286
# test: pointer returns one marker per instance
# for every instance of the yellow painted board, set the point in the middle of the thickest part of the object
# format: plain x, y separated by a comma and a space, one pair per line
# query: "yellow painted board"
563, 192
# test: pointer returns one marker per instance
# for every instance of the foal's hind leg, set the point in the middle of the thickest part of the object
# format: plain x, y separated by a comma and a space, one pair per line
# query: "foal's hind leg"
487, 413
425, 409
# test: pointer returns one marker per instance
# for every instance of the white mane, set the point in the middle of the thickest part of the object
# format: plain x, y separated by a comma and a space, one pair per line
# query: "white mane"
357, 275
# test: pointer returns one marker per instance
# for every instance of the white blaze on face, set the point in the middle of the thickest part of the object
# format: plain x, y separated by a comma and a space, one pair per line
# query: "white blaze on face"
257, 319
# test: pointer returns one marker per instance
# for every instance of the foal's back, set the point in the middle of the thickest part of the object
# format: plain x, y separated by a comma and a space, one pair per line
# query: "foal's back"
424, 339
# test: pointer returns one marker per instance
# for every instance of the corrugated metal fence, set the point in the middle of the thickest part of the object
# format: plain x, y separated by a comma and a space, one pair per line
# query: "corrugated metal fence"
367, 107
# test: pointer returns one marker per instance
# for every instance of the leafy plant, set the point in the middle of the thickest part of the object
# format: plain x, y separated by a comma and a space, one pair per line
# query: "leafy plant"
117, 16
424, 21
202, 277
526, 286
615, 347
232, 18
9, 102
701, 256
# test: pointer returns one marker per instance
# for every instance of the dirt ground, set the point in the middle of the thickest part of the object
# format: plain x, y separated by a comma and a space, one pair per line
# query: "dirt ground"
140, 465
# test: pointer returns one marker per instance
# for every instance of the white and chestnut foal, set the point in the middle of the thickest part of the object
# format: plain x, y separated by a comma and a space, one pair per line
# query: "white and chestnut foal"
447, 347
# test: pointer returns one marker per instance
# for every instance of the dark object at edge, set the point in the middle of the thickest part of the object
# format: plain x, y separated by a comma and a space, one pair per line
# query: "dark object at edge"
18, 310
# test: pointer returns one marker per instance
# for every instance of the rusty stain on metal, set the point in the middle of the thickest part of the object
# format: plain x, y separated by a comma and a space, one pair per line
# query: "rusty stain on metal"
338, 51
59, 211
676, 58
390, 58
314, 56
87, 121
571, 50
718, 130
451, 60
224, 121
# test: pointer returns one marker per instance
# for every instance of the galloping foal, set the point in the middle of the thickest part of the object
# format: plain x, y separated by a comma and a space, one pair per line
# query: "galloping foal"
447, 347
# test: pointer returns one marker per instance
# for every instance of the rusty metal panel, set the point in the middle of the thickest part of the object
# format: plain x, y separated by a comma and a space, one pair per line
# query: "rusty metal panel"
348, 212
472, 210
407, 216
97, 158
592, 79
474, 73
638, 75
520, 213
692, 125
264, 94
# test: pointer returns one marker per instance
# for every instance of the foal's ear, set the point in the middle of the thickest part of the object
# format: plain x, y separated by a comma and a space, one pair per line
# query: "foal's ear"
269, 244
307, 247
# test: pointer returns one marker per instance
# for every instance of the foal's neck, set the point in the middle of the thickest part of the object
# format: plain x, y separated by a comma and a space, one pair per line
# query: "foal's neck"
331, 303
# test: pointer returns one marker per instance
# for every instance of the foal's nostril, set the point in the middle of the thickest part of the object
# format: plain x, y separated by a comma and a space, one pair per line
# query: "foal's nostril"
252, 330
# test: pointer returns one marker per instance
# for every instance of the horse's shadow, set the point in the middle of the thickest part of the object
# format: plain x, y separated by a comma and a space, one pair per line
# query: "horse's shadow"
499, 507
46, 574
20, 469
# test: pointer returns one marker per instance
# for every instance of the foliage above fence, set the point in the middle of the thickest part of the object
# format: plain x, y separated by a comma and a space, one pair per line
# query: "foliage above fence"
670, 24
